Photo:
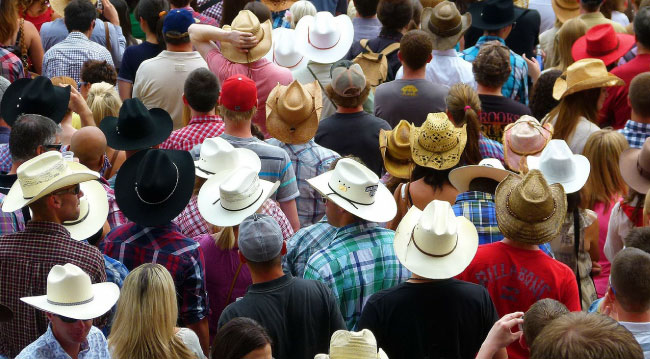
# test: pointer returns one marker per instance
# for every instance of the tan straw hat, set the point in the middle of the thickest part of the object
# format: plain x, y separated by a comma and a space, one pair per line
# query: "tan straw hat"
293, 112
438, 143
246, 21
353, 345
583, 75
634, 165
529, 210
565, 10
445, 24
59, 6
395, 146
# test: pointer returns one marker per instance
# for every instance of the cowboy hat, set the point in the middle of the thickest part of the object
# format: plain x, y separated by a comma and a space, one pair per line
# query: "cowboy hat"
34, 96
153, 186
6, 314
565, 10
356, 189
438, 143
524, 137
634, 165
445, 24
353, 345
602, 42
284, 51
59, 6
395, 147
226, 202
93, 211
488, 168
71, 294
559, 165
43, 175
246, 21
583, 75
278, 5
324, 38
136, 127
218, 157
435, 243
293, 112
528, 209
494, 14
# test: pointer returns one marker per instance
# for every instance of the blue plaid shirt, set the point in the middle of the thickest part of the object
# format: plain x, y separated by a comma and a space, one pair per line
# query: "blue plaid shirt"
116, 272
635, 133
67, 57
478, 207
47, 347
490, 148
304, 243
516, 87
5, 158
278, 19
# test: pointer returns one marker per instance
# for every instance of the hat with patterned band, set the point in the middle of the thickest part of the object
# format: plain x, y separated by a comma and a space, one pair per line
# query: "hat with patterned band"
438, 143
395, 147
34, 96
218, 157
246, 21
324, 38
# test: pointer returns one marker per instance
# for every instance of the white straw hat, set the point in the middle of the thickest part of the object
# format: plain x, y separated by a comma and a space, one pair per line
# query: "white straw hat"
324, 38
285, 51
93, 211
559, 165
353, 345
487, 168
219, 157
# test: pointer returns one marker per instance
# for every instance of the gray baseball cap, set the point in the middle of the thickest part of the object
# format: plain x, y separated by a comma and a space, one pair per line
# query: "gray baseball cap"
348, 79
260, 238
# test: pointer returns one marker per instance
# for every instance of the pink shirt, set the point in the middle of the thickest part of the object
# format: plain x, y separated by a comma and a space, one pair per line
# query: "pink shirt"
601, 281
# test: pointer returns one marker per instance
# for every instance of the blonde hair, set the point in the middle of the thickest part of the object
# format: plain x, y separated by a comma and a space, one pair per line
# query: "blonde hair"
646, 209
224, 238
8, 20
605, 182
103, 101
299, 9
145, 322
566, 36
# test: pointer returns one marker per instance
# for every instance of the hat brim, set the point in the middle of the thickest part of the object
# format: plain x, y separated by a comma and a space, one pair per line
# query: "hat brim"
581, 174
105, 295
399, 169
330, 55
382, 210
93, 219
625, 43
149, 215
462, 176
10, 112
560, 88
230, 52
630, 173
249, 159
448, 159
155, 136
288, 133
435, 267
564, 14
442, 43
476, 9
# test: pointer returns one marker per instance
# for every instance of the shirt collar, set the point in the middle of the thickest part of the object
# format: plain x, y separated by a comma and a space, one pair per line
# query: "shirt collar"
486, 38
450, 53
50, 228
593, 15
203, 119
77, 35
474, 196
271, 285
637, 126
356, 227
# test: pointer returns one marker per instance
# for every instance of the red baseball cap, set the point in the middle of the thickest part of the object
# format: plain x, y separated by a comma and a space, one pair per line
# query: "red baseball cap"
238, 93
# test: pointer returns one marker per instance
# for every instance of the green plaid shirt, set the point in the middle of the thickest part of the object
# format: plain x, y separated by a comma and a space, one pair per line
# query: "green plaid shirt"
358, 263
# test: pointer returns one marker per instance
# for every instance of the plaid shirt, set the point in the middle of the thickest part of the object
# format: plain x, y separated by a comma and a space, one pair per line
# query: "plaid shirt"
12, 68
278, 19
516, 87
26, 258
304, 243
66, 57
11, 222
635, 133
309, 160
5, 158
116, 273
359, 262
115, 217
197, 130
490, 148
213, 11
202, 18
478, 207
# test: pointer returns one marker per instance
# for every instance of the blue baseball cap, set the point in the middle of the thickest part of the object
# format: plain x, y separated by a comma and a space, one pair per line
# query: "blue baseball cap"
178, 20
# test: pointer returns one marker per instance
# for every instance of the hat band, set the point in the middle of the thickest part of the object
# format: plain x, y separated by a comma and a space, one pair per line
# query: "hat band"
72, 223
238, 209
321, 48
594, 52
353, 203
45, 177
431, 254
445, 33
164, 199
288, 67
526, 220
642, 172
72, 303
204, 170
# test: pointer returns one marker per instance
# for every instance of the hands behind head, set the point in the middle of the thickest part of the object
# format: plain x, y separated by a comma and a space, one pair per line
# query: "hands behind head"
242, 40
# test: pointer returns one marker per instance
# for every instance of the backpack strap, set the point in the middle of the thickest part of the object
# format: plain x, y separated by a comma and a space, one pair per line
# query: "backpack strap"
390, 49
364, 45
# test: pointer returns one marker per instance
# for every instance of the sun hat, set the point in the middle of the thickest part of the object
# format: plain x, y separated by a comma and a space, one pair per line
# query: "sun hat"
246, 21
218, 157
356, 189
348, 79
153, 186
34, 96
226, 200
6, 314
583, 75
490, 168
71, 294
634, 165
438, 143
324, 38
260, 238
565, 10
353, 345
238, 93
559, 165
445, 24
494, 14
602, 42
59, 6
43, 175
435, 243
178, 20
524, 137
136, 127
529, 210
395, 147
293, 111
93, 211
285, 51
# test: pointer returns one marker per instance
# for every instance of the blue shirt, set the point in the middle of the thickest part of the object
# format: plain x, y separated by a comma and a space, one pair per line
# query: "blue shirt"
116, 273
47, 347
635, 133
479, 208
67, 57
134, 56
365, 28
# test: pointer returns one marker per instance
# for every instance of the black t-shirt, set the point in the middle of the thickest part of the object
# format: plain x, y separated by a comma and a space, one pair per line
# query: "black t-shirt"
444, 319
134, 56
522, 39
6, 181
497, 112
354, 134
299, 315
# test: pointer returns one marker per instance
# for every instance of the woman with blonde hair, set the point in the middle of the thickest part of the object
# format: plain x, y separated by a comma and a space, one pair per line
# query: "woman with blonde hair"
298, 10
570, 31
145, 322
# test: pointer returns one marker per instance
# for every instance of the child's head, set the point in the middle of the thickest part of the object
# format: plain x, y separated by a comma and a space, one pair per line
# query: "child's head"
540, 314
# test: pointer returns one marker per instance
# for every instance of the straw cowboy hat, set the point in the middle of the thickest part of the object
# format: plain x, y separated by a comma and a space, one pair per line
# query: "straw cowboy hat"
246, 21
488, 168
524, 137
602, 42
435, 243
445, 24
71, 294
583, 75
219, 157
395, 147
559, 165
59, 6
136, 127
293, 111
565, 10
356, 189
529, 210
43, 175
494, 14
353, 345
93, 211
634, 165
278, 5
438, 143
324, 38
285, 51
34, 96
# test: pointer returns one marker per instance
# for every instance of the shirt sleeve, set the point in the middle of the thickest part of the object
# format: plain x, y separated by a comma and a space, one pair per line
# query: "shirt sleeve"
194, 306
127, 72
288, 189
118, 42
613, 242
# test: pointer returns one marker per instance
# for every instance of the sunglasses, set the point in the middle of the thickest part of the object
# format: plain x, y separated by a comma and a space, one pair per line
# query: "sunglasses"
67, 320
74, 190
54, 146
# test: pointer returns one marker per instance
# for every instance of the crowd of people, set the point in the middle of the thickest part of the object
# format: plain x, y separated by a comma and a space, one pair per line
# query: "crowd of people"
234, 179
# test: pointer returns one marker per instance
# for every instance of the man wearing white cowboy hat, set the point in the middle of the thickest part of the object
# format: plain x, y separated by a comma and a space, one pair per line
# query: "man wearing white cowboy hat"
70, 304
361, 249
413, 319
50, 187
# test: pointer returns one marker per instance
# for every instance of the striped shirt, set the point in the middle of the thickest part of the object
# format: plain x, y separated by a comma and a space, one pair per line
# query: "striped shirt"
641, 332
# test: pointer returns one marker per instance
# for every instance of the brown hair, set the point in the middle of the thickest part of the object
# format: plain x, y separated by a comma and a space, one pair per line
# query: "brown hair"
347, 102
237, 116
492, 65
613, 5
237, 338
638, 237
8, 20
603, 148
630, 280
638, 94
394, 14
95, 71
415, 49
571, 107
540, 314
566, 36
463, 106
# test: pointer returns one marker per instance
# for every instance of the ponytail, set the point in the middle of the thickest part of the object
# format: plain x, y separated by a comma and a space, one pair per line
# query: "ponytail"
464, 106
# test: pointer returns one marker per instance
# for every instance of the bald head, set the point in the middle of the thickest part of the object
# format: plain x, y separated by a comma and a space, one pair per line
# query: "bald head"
89, 145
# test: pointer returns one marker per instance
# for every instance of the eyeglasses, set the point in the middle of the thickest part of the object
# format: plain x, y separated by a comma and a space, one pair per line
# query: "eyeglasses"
54, 146
73, 190
323, 199
67, 320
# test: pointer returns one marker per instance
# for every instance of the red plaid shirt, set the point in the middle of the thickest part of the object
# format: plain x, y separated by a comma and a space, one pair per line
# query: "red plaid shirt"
197, 130
115, 216
12, 68
26, 258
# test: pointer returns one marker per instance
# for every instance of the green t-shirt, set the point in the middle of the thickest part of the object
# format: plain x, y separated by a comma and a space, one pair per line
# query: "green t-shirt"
136, 31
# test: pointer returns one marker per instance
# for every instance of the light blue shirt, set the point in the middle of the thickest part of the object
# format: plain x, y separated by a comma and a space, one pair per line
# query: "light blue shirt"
47, 347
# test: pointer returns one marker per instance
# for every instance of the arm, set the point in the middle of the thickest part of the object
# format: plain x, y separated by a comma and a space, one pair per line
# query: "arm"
203, 38
614, 242
291, 211
591, 237
500, 337
202, 330
125, 88
35, 49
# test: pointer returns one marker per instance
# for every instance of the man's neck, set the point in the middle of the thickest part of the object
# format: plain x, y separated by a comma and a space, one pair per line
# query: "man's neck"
174, 7
238, 129
484, 90
180, 48
641, 50
349, 109
194, 113
273, 274
623, 316
410, 74
493, 35
634, 117
14, 168
367, 17
510, 242
45, 217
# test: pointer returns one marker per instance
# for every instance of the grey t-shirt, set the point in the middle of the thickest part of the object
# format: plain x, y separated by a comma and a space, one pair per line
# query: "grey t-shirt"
410, 100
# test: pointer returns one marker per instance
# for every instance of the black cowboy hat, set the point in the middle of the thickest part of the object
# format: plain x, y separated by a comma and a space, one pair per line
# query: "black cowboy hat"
137, 128
34, 96
5, 313
153, 186
494, 14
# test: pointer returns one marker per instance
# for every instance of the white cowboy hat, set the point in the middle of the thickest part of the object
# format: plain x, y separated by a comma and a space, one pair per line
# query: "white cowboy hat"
559, 165
219, 157
434, 243
487, 168
356, 189
353, 345
93, 211
71, 294
324, 38
285, 51
226, 202
43, 175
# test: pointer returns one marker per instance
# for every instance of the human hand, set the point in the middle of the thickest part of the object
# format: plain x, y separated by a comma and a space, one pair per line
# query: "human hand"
110, 13
533, 67
596, 268
500, 336
77, 103
242, 40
